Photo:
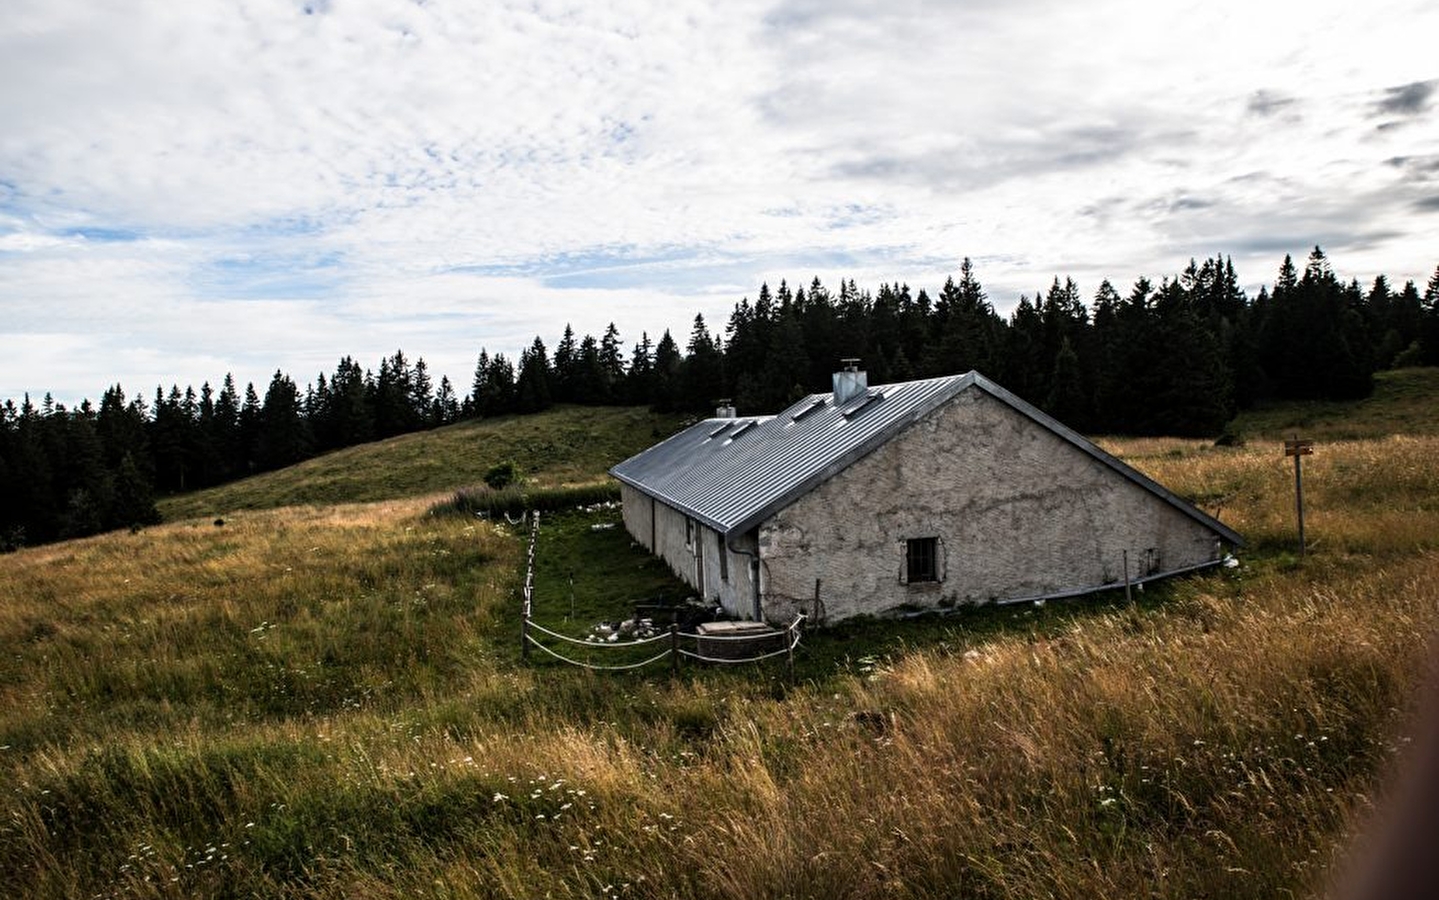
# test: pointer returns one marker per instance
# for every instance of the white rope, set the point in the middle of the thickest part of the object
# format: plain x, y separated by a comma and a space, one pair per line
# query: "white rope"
793, 644
564, 637
582, 665
747, 659
757, 636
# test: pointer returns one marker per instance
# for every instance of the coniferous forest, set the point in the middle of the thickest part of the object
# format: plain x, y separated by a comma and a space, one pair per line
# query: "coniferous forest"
1176, 358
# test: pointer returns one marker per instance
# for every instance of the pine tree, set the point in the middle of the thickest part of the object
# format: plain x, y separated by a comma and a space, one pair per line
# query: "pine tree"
565, 378
134, 498
352, 409
701, 375
446, 406
1024, 369
967, 328
612, 365
786, 367
1067, 400
283, 438
247, 459
478, 383
422, 396
589, 376
666, 397
1428, 352
493, 388
533, 390
226, 437
639, 380
394, 397
87, 482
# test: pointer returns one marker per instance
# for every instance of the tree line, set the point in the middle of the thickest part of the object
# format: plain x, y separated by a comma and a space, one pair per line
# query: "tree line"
1177, 358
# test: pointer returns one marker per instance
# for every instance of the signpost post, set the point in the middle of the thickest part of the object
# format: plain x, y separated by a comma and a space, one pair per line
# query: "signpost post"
1299, 449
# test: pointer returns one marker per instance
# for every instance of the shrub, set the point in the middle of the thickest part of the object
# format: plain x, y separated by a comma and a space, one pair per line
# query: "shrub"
502, 475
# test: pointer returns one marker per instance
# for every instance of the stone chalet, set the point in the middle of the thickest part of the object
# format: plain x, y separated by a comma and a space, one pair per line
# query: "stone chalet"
873, 500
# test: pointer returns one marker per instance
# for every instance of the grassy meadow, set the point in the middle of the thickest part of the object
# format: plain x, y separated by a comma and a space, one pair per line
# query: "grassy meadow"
323, 698
565, 445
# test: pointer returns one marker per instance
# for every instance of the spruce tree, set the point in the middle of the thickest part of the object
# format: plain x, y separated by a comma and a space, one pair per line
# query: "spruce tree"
639, 380
1429, 323
612, 365
666, 396
446, 406
534, 388
700, 376
565, 378
283, 438
588, 385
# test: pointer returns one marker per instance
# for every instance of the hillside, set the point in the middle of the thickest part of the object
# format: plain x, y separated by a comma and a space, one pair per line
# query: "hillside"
1403, 403
326, 700
563, 445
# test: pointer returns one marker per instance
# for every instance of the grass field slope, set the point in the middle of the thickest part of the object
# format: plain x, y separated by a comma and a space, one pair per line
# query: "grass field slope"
566, 445
324, 698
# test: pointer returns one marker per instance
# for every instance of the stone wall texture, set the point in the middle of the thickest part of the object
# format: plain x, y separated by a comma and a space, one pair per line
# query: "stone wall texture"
693, 554
1018, 511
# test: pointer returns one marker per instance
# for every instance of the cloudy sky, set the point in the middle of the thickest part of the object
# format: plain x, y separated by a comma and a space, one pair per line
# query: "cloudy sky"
193, 188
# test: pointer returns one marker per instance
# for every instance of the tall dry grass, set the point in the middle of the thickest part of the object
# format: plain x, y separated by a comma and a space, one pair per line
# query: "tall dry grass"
1373, 496
328, 703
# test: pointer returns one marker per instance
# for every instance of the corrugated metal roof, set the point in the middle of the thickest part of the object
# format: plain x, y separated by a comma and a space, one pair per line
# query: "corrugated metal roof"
732, 474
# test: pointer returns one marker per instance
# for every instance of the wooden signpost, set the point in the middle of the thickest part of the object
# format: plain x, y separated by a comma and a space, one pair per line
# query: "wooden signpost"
1299, 449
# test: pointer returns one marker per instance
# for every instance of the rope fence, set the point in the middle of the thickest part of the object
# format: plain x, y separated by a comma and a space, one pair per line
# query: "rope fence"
793, 631
529, 593
584, 665
674, 652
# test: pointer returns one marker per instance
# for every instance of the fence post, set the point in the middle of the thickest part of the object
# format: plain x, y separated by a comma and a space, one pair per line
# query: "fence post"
789, 643
529, 589
674, 648
1128, 596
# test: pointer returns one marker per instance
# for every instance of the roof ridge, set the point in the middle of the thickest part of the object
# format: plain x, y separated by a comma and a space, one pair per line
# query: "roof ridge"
732, 486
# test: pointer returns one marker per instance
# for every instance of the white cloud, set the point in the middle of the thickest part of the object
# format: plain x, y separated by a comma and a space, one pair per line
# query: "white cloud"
250, 186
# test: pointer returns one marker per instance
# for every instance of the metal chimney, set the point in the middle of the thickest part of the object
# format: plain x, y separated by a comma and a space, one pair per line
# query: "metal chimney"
725, 410
849, 382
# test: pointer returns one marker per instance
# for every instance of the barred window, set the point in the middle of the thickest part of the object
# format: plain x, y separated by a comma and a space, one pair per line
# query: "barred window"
921, 560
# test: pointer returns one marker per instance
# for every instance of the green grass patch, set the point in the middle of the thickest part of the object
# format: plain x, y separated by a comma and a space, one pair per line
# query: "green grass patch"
329, 701
515, 499
565, 445
1402, 403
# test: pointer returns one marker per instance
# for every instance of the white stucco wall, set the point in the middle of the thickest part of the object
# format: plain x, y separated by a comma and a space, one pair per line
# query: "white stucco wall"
1019, 512
636, 508
661, 529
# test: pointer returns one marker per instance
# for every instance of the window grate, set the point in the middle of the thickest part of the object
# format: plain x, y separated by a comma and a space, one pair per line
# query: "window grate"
921, 560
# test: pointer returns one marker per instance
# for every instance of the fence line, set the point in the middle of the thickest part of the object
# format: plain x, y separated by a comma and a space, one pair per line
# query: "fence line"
674, 651
584, 665
793, 633
525, 639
